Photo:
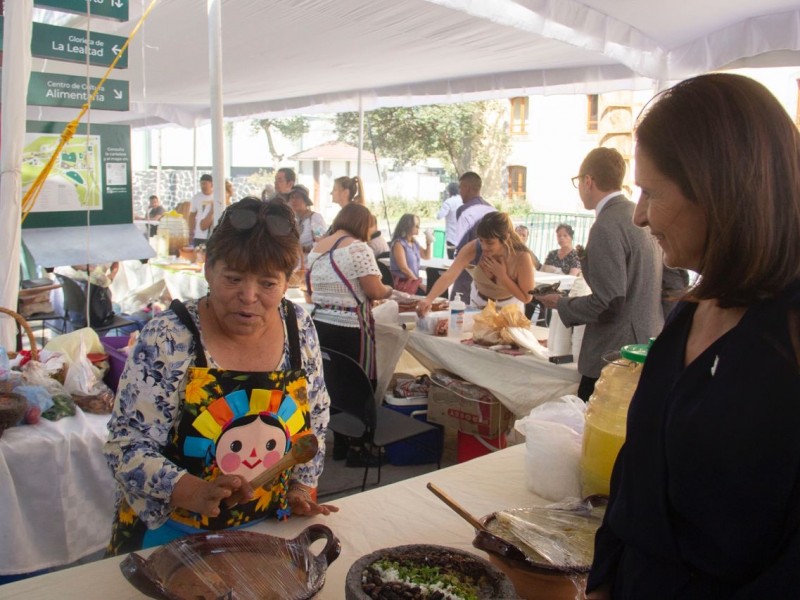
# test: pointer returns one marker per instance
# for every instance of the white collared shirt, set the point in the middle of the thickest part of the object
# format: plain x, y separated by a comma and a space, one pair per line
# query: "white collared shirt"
604, 201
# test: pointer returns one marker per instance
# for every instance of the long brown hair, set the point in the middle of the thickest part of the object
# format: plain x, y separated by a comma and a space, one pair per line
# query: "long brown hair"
498, 225
732, 149
354, 219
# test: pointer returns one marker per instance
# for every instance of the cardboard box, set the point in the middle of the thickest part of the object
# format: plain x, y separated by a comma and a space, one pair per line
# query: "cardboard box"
467, 407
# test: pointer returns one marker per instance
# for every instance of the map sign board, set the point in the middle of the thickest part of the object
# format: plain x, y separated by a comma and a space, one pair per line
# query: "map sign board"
92, 175
109, 9
70, 45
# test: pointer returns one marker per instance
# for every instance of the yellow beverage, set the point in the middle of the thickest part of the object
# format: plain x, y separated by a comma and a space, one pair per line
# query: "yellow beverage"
600, 449
606, 419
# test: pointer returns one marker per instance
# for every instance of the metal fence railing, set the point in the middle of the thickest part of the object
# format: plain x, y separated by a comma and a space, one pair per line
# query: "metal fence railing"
542, 230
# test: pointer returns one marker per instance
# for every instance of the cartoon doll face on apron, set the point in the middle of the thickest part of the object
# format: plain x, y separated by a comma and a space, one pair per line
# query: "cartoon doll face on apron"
234, 423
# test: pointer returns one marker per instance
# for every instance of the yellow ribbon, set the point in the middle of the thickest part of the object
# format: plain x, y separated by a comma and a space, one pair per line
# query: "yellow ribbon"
30, 197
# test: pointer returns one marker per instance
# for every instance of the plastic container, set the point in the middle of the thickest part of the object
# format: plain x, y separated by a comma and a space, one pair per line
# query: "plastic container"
457, 308
438, 243
116, 358
606, 418
423, 449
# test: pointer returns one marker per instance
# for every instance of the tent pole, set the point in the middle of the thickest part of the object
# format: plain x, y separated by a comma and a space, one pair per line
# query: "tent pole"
16, 73
217, 134
360, 135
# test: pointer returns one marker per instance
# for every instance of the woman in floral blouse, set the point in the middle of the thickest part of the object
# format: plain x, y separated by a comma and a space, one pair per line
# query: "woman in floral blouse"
217, 390
565, 257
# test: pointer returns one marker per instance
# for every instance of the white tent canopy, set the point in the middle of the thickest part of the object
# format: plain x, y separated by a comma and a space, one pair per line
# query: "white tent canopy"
292, 56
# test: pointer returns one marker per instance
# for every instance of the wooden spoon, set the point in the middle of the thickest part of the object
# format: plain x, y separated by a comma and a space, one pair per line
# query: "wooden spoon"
302, 451
462, 512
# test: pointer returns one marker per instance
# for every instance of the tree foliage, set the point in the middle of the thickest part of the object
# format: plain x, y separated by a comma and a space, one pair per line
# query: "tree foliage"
292, 128
472, 136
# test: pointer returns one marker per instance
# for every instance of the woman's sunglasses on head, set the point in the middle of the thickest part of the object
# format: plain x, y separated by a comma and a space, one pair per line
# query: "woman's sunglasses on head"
246, 213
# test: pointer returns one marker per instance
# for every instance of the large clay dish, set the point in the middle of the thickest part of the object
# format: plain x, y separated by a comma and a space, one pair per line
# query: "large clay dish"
241, 564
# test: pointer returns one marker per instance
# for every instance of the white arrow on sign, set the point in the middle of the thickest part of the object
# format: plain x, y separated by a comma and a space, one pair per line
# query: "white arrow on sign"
115, 49
117, 94
117, 3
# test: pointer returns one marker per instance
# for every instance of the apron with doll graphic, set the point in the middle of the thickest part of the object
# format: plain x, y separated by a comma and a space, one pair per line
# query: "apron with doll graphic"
228, 420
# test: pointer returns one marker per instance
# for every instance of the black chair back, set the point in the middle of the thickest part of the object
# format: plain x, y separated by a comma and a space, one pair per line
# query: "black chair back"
386, 274
74, 301
349, 387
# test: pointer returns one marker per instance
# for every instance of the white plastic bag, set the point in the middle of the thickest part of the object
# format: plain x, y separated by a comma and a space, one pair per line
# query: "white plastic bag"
553, 436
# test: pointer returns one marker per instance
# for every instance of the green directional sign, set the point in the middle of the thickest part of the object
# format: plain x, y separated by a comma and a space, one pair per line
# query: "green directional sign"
68, 44
109, 9
50, 89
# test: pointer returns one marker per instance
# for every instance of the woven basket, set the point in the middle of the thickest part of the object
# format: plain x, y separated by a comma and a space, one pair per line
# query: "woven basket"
28, 331
12, 409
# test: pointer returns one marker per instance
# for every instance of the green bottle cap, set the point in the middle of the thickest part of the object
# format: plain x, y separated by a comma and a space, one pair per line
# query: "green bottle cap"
635, 352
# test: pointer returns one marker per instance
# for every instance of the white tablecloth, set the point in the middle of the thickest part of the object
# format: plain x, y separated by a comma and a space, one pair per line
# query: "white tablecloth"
397, 514
519, 382
56, 493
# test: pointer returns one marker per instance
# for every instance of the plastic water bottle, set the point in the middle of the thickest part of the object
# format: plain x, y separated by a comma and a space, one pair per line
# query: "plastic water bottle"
457, 308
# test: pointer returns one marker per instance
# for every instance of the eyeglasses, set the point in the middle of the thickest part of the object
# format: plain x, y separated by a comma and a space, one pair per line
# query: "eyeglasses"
246, 213
576, 181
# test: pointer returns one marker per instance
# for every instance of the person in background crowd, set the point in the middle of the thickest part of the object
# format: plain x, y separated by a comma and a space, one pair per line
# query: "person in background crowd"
268, 192
376, 241
623, 268
154, 213
705, 493
346, 190
500, 265
342, 280
406, 253
563, 259
468, 215
213, 383
201, 206
285, 180
448, 213
523, 233
311, 224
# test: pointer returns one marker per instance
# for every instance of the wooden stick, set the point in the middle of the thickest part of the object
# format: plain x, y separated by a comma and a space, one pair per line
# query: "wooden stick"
302, 451
462, 512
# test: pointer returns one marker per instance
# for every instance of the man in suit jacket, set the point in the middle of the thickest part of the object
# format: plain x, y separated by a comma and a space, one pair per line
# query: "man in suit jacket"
623, 268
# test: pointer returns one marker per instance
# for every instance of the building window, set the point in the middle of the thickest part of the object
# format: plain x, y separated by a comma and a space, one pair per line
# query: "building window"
519, 115
592, 105
517, 182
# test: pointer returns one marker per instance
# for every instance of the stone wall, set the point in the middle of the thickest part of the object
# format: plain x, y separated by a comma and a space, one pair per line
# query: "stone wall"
178, 185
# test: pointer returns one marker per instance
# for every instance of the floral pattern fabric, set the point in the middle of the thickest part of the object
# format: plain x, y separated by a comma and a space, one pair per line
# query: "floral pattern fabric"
150, 403
566, 264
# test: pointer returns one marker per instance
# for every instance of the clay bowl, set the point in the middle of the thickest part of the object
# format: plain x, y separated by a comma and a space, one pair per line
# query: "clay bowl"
495, 584
534, 579
234, 564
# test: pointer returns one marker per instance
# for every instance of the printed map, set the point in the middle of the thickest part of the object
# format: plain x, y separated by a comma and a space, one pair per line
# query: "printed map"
74, 181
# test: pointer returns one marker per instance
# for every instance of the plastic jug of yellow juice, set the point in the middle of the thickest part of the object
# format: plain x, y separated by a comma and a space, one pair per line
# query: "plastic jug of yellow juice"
606, 416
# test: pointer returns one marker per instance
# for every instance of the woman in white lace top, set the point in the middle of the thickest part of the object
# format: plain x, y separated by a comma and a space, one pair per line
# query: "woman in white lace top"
343, 280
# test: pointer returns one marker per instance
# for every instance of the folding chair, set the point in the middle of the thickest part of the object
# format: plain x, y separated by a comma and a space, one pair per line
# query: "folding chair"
359, 415
75, 308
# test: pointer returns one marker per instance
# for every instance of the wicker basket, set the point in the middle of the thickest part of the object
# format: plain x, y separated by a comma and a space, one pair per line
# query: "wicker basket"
28, 331
12, 409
